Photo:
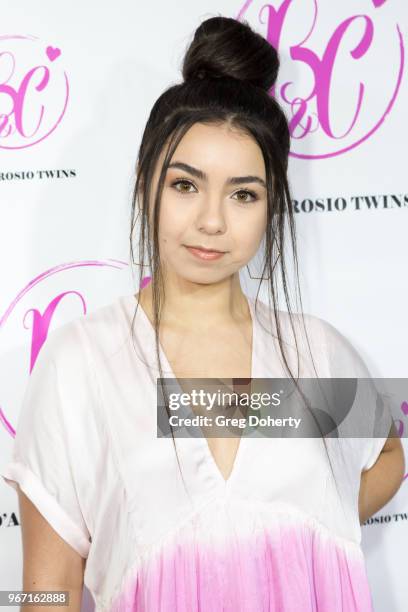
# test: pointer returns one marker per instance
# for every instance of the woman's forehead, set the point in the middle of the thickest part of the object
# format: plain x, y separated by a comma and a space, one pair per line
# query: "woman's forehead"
218, 149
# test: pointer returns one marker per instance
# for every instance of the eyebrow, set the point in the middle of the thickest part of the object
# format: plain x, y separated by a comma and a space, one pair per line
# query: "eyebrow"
232, 180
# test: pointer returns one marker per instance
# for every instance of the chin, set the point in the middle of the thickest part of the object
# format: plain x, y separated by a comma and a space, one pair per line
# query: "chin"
203, 277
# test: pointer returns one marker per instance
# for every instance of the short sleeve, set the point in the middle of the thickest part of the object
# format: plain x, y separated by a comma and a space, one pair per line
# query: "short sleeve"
382, 422
40, 463
370, 416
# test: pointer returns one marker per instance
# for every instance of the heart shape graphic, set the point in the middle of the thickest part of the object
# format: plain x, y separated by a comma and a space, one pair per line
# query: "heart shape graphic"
53, 53
404, 407
378, 3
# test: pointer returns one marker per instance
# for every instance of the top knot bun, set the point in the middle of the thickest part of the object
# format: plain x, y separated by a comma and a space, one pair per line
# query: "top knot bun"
225, 47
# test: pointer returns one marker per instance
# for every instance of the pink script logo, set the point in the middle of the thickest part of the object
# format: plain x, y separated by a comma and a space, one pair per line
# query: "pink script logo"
34, 91
340, 71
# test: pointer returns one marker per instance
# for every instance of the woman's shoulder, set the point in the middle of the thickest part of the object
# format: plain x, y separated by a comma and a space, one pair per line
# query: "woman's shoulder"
97, 329
309, 333
318, 329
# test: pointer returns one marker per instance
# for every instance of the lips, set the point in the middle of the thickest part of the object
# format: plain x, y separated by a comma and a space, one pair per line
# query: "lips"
197, 247
204, 254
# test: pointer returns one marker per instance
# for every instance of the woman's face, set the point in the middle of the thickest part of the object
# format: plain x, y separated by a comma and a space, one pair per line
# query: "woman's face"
214, 196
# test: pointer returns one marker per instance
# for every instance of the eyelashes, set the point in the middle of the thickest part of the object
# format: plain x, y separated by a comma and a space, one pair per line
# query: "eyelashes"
247, 192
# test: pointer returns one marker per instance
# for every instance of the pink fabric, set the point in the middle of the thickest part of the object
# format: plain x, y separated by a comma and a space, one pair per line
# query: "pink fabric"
287, 569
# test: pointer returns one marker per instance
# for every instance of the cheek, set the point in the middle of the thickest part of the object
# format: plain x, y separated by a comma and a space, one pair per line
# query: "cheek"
249, 232
174, 219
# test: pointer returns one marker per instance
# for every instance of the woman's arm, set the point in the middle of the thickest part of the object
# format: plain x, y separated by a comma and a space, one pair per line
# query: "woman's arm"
49, 563
381, 482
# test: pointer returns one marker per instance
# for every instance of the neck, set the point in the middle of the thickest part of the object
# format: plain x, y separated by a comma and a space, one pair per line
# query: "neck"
199, 307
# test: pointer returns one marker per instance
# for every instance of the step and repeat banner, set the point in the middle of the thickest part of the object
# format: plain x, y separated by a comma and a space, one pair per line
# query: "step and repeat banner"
77, 83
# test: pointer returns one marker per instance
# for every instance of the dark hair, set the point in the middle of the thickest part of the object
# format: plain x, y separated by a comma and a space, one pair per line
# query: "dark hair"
228, 70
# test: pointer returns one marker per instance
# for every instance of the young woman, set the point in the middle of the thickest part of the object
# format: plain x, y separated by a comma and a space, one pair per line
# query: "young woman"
201, 523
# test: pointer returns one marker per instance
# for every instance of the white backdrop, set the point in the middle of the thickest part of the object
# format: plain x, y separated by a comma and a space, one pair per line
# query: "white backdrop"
76, 86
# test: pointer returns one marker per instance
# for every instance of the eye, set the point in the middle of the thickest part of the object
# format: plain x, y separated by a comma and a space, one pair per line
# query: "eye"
186, 183
246, 192
183, 182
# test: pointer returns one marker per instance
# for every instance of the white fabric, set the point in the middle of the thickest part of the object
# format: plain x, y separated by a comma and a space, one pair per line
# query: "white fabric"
87, 453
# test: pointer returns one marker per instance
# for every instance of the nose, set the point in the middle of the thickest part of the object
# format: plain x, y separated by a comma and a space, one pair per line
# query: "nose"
211, 216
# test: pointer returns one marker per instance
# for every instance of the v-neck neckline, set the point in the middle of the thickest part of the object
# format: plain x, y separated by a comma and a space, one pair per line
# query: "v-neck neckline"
224, 483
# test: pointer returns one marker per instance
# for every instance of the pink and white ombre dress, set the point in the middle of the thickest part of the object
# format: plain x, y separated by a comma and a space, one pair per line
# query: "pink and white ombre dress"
281, 534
